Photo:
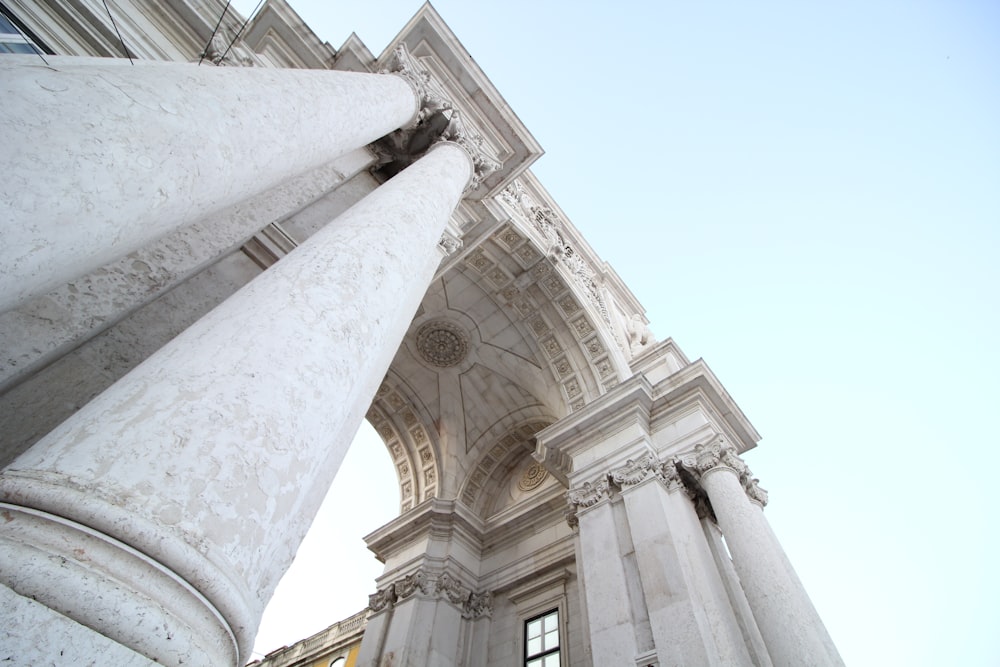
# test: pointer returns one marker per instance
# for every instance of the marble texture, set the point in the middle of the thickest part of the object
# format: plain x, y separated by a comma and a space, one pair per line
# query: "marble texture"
215, 453
129, 154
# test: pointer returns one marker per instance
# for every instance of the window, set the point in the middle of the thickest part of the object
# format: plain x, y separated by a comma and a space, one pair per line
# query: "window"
541, 640
11, 39
339, 662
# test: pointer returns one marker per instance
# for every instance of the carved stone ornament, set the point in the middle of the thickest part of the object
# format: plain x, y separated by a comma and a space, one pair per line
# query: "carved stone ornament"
453, 590
449, 244
410, 584
547, 223
479, 605
437, 120
532, 477
442, 343
671, 476
382, 598
634, 472
755, 492
721, 453
590, 494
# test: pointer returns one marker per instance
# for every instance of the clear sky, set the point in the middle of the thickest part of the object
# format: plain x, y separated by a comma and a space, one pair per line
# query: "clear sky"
807, 195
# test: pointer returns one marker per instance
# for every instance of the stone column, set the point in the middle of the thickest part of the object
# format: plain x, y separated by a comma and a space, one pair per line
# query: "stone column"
103, 158
792, 629
164, 512
690, 615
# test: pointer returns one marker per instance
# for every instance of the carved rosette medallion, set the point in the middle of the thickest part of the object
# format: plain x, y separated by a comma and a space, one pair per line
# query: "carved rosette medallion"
442, 343
532, 477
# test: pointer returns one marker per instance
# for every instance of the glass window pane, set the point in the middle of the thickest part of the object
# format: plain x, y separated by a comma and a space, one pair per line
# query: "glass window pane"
535, 628
551, 621
551, 639
551, 660
536, 663
534, 645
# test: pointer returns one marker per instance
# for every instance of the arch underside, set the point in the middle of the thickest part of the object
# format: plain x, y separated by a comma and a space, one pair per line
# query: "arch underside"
511, 336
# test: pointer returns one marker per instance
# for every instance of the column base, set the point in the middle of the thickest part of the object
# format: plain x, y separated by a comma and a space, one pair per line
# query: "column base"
102, 595
33, 634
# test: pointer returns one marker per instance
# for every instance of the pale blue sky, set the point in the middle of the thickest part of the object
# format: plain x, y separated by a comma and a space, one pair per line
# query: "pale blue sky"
808, 198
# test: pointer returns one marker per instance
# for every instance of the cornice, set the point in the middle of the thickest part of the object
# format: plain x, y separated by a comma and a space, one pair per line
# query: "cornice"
696, 381
481, 108
432, 518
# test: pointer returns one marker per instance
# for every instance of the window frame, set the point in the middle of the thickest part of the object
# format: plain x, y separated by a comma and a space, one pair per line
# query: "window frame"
557, 650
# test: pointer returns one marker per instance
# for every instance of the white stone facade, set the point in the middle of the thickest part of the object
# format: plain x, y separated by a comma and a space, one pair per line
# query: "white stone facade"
187, 355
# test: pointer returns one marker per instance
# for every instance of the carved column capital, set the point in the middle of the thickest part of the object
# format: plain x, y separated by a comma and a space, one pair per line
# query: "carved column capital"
635, 471
437, 120
479, 605
410, 584
721, 454
381, 599
452, 589
671, 475
590, 493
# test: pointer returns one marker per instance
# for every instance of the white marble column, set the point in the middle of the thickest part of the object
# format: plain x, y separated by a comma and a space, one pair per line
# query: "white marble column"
689, 612
164, 512
792, 629
102, 158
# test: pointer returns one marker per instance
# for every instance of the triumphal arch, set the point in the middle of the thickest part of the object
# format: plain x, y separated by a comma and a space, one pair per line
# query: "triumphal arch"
212, 273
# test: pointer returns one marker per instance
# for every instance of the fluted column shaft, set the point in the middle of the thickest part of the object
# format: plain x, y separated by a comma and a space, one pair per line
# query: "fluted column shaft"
792, 629
105, 158
190, 483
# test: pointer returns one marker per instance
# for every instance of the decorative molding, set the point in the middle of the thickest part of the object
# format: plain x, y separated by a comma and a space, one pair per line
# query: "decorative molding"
546, 222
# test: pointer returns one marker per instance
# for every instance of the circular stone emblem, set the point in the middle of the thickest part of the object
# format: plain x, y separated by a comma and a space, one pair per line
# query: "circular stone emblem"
532, 477
442, 343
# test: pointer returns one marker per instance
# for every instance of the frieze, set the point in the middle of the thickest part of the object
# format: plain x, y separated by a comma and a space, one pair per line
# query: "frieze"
546, 222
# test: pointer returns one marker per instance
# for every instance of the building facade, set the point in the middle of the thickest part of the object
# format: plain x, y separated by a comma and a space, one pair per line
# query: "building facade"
225, 244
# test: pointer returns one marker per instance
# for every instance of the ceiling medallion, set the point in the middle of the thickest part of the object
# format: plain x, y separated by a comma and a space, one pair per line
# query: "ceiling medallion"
442, 343
532, 477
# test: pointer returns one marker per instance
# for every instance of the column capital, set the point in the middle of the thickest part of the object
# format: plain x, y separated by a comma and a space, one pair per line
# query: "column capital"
436, 119
444, 586
636, 471
590, 494
719, 454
